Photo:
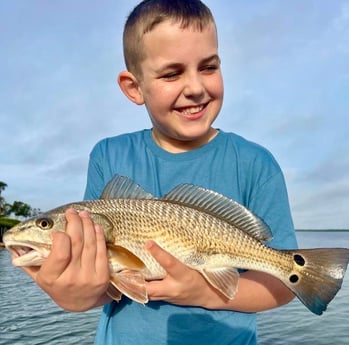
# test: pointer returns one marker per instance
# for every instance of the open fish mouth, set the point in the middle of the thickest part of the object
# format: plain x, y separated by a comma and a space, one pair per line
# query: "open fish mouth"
27, 254
18, 250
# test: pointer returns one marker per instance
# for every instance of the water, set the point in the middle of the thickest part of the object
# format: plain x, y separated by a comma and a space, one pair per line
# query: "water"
29, 317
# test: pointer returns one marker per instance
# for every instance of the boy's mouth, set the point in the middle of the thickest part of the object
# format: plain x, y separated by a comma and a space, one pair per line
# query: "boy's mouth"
193, 110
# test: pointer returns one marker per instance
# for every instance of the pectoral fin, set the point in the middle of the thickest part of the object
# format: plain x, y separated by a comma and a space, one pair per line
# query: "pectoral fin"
130, 283
126, 276
223, 279
121, 257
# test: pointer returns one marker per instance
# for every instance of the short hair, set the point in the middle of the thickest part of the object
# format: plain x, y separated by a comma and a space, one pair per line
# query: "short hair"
149, 13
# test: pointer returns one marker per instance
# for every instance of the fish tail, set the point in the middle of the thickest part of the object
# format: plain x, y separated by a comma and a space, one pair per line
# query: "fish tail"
317, 275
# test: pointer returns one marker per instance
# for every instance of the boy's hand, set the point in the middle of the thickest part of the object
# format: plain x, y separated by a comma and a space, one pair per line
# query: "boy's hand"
182, 285
76, 273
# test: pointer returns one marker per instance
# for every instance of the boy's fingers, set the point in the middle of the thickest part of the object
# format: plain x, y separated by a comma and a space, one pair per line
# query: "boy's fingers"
32, 271
74, 229
94, 253
101, 264
58, 259
89, 247
169, 287
171, 265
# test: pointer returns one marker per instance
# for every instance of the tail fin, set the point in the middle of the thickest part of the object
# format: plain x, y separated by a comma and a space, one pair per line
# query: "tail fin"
317, 276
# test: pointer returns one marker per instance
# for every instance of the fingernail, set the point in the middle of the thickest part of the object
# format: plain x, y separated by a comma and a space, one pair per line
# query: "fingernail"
84, 214
98, 229
71, 210
149, 244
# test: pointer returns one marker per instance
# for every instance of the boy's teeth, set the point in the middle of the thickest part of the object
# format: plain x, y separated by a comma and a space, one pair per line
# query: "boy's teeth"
192, 110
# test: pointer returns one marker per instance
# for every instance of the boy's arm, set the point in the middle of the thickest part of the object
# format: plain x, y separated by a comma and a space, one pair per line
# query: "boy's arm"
257, 291
76, 273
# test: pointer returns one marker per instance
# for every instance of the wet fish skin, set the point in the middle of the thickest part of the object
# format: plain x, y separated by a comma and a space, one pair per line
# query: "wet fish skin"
206, 231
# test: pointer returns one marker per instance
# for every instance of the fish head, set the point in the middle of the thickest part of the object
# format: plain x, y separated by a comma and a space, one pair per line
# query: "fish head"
30, 241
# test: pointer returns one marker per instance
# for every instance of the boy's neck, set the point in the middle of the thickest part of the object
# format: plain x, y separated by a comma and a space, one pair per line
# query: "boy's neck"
180, 146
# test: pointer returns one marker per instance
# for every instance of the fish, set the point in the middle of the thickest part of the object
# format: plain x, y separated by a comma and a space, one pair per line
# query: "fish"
205, 230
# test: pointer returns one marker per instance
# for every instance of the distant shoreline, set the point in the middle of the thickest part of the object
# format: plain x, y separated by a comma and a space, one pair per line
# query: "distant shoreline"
322, 230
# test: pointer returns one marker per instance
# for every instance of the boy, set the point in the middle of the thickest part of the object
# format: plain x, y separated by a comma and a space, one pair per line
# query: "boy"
173, 68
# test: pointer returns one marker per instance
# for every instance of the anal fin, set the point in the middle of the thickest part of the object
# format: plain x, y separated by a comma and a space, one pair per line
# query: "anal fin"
130, 283
114, 293
224, 279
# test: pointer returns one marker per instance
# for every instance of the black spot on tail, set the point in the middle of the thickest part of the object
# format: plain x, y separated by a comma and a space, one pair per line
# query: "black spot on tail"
294, 278
299, 260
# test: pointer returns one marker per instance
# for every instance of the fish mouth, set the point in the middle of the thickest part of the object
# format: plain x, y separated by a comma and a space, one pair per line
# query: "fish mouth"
27, 253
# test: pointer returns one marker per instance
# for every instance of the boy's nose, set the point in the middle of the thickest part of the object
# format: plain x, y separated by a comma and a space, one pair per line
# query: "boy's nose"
193, 86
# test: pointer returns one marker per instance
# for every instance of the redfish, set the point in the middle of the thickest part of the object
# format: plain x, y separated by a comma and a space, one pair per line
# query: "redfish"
205, 230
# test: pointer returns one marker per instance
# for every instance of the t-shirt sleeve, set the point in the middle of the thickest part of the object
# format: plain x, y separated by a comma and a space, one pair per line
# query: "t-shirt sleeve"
263, 191
95, 179
272, 205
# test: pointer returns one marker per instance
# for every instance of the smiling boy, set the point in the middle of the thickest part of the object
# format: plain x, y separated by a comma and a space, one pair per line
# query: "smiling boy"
173, 68
180, 82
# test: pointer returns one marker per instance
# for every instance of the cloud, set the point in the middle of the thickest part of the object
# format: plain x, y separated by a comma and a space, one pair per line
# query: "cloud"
322, 208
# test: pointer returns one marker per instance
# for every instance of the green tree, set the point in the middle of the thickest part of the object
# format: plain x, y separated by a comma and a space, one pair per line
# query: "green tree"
18, 208
3, 185
3, 210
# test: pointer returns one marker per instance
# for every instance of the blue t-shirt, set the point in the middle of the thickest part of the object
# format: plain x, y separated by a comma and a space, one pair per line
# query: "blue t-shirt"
230, 165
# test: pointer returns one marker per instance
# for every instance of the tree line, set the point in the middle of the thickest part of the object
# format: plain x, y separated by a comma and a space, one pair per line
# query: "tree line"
17, 208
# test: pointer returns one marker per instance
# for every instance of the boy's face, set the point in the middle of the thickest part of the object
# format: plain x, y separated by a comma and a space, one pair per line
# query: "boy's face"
181, 84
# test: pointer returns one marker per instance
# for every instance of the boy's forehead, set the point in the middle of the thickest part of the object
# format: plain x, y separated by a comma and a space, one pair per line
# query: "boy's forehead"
169, 42
171, 28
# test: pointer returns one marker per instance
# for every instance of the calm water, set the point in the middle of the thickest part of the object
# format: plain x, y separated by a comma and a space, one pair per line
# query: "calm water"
28, 317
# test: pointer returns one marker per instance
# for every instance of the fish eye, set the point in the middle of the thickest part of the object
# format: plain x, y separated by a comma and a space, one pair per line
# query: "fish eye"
44, 223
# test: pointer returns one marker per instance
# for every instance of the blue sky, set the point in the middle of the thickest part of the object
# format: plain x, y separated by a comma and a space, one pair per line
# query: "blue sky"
286, 72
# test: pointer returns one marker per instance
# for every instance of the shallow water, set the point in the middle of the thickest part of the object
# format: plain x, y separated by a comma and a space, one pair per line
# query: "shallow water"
29, 317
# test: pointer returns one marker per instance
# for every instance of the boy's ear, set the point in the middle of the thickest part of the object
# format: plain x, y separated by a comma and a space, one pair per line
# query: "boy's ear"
130, 87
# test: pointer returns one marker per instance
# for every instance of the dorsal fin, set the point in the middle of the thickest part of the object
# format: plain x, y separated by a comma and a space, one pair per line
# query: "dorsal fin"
122, 187
220, 206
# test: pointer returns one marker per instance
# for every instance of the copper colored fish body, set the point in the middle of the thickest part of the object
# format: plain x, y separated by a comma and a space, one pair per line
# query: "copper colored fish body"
205, 230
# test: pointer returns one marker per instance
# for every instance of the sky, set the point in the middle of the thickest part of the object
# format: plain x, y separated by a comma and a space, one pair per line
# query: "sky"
286, 73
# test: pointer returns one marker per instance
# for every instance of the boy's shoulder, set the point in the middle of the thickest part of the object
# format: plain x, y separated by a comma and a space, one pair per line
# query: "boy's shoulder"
246, 147
110, 147
134, 138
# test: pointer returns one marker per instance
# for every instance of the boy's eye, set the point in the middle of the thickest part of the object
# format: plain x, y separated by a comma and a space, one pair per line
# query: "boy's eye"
209, 68
171, 75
